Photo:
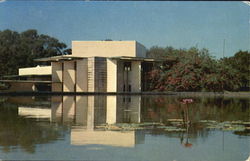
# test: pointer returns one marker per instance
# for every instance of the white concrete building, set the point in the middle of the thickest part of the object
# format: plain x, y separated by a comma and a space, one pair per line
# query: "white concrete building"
101, 66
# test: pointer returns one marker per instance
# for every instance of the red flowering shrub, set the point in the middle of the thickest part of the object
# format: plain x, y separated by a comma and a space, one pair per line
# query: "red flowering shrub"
194, 70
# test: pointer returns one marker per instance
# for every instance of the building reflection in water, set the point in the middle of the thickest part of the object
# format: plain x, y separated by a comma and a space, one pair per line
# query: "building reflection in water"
38, 113
29, 107
87, 112
90, 111
84, 115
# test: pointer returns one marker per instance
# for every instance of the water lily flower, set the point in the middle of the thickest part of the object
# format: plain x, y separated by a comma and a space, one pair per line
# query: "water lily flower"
188, 145
187, 101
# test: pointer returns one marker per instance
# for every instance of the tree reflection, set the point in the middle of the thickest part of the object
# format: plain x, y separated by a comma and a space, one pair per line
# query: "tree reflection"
217, 112
24, 132
185, 119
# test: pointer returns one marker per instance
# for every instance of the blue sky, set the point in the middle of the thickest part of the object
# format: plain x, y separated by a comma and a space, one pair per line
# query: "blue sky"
178, 24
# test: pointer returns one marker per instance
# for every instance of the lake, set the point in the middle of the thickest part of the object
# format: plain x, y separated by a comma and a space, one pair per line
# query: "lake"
146, 128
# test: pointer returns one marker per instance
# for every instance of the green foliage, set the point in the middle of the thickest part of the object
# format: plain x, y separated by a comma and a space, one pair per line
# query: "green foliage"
20, 49
159, 52
241, 63
24, 132
194, 70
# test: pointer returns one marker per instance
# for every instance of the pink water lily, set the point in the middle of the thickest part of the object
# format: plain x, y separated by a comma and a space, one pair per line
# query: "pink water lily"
188, 145
187, 101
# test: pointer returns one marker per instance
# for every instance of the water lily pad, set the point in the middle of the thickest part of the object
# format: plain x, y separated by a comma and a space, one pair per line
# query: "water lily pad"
234, 128
208, 121
150, 124
247, 128
215, 126
177, 123
175, 120
237, 122
246, 123
161, 127
226, 126
173, 129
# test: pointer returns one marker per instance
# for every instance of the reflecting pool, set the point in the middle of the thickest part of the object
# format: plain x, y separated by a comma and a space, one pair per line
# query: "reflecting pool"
149, 128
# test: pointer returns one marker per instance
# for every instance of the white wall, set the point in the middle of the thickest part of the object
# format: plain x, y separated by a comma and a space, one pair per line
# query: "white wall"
111, 138
103, 48
81, 110
111, 109
68, 112
56, 108
69, 76
108, 49
111, 75
57, 71
82, 75
135, 76
57, 76
38, 70
140, 50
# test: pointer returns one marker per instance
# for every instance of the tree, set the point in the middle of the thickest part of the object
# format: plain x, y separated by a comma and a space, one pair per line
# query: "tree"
241, 63
194, 70
20, 49
162, 53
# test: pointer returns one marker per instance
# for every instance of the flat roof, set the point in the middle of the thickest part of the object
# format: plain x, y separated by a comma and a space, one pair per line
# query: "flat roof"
58, 58
112, 41
71, 57
28, 75
24, 81
139, 59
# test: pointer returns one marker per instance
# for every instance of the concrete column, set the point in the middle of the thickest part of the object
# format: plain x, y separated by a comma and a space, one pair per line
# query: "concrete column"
57, 76
135, 107
111, 109
69, 76
135, 76
56, 108
82, 75
81, 110
68, 108
91, 74
111, 75
90, 113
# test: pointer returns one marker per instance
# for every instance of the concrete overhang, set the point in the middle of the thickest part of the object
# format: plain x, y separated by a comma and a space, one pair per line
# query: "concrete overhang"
35, 71
108, 138
38, 112
28, 76
25, 81
137, 59
35, 75
58, 58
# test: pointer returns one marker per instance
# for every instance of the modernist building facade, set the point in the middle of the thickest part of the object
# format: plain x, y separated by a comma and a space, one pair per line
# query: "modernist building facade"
29, 79
101, 66
94, 66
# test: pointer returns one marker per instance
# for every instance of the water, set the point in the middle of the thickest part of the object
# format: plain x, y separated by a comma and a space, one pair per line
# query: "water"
124, 128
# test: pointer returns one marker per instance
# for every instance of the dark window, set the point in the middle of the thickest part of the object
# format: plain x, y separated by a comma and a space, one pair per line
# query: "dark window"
129, 88
127, 66
124, 88
129, 99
